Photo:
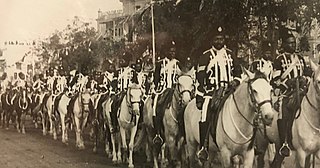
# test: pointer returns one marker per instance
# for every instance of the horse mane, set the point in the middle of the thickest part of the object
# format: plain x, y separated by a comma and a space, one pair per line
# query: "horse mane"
259, 74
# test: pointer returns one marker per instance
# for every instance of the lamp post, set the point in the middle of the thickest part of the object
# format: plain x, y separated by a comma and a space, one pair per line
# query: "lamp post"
153, 37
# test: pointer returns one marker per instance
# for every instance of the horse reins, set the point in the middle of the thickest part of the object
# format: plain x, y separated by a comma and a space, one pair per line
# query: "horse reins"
257, 107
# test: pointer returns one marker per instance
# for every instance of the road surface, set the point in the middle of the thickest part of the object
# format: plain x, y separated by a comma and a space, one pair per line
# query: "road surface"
33, 150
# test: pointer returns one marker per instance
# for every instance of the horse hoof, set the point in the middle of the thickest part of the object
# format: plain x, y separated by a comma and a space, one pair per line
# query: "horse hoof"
19, 131
7, 128
23, 132
131, 166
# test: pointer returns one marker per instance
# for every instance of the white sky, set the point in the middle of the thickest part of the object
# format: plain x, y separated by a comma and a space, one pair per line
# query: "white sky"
25, 20
29, 19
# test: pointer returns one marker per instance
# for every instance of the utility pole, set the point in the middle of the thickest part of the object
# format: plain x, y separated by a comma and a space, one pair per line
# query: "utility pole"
153, 36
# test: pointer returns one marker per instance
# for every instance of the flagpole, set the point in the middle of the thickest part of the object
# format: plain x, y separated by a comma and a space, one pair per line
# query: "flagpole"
153, 37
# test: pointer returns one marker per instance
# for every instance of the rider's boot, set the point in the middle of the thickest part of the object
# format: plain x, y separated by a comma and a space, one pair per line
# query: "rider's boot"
285, 150
203, 154
157, 140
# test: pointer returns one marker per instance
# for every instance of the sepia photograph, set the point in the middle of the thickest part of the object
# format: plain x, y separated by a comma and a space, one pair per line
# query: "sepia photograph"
160, 83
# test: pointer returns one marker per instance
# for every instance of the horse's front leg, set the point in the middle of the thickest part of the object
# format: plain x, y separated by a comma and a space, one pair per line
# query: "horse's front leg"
78, 131
23, 121
226, 157
248, 158
18, 121
64, 136
43, 120
131, 143
124, 143
300, 158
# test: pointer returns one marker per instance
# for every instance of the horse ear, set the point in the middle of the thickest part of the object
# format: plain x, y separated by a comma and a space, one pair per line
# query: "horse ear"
247, 72
314, 66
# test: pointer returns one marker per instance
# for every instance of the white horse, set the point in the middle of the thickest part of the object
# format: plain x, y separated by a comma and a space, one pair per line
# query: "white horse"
306, 128
234, 132
128, 119
116, 150
81, 112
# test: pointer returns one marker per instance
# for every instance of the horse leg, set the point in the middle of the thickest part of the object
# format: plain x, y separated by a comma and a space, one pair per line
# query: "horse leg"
191, 153
18, 121
131, 143
164, 160
84, 122
124, 143
248, 158
300, 158
226, 157
78, 131
44, 128
63, 127
23, 120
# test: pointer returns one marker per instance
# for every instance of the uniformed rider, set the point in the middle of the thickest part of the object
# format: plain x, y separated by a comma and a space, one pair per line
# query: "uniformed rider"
216, 69
289, 79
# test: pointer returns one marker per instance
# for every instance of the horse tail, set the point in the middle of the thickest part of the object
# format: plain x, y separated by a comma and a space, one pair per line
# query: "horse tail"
141, 138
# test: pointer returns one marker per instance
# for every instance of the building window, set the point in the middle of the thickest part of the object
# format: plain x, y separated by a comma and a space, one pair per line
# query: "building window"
119, 31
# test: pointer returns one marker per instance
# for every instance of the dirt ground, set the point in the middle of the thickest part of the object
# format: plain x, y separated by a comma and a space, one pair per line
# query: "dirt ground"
33, 150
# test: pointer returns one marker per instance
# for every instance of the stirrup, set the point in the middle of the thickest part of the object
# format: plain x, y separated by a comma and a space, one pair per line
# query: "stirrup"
157, 139
285, 150
203, 154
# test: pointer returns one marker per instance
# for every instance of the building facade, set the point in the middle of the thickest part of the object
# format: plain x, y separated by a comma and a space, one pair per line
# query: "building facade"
114, 24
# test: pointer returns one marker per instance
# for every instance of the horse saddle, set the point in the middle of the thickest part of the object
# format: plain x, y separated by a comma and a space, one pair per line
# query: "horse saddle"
164, 101
71, 103
216, 104
56, 101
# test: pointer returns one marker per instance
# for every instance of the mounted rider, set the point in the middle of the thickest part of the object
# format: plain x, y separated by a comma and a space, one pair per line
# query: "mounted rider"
4, 82
21, 82
216, 70
166, 75
290, 84
124, 79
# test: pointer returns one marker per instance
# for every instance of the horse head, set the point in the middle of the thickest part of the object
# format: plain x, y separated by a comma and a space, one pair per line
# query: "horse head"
23, 98
260, 92
186, 89
316, 78
134, 98
85, 98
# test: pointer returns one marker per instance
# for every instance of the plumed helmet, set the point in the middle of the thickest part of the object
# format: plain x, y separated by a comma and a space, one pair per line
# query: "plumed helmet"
219, 31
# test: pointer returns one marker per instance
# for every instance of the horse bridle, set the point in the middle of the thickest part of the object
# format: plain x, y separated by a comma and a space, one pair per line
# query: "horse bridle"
130, 103
257, 105
183, 91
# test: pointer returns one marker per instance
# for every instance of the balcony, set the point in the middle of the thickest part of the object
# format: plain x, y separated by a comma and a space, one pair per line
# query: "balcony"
109, 15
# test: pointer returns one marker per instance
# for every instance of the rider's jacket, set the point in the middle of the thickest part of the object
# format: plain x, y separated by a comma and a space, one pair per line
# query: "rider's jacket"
214, 68
264, 66
288, 66
170, 72
125, 77
38, 85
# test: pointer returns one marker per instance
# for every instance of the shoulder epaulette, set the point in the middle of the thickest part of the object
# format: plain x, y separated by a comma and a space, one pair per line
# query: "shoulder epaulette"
205, 52
283, 54
227, 49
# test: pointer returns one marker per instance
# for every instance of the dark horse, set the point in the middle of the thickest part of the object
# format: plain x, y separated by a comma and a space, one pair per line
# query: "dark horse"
7, 100
22, 103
